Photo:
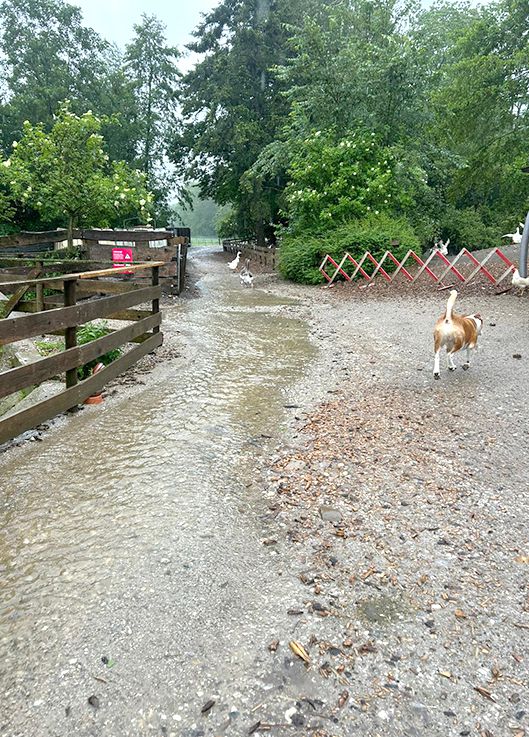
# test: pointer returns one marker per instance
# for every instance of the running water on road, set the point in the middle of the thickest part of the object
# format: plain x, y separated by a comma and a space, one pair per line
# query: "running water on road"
134, 532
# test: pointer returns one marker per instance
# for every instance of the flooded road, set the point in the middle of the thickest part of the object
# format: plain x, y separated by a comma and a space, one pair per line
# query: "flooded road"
133, 535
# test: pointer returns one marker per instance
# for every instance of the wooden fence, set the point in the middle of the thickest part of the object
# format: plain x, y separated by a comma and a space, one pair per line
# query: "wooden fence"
86, 296
263, 255
21, 253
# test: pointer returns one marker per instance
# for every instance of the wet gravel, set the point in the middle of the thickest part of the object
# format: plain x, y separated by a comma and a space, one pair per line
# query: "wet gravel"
404, 503
365, 573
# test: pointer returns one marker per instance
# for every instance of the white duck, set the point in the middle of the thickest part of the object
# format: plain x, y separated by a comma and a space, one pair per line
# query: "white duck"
233, 264
516, 238
439, 246
246, 275
443, 247
520, 281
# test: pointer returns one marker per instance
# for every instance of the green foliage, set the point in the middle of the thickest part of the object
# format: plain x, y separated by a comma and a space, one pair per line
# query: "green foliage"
151, 66
443, 88
332, 182
48, 55
467, 228
300, 256
66, 176
47, 347
233, 106
87, 333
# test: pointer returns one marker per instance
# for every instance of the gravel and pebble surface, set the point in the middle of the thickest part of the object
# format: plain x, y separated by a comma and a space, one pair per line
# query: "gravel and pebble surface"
404, 505
389, 516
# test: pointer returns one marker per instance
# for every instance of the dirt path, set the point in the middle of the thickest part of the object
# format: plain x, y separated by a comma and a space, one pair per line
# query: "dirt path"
184, 544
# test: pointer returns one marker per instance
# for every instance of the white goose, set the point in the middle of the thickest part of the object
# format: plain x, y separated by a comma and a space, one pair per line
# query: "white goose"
246, 275
516, 238
519, 281
233, 264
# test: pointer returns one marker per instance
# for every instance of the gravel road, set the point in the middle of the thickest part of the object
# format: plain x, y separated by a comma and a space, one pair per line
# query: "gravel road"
312, 485
405, 503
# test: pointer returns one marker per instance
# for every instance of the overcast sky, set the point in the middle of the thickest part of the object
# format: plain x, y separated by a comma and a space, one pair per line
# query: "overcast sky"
114, 19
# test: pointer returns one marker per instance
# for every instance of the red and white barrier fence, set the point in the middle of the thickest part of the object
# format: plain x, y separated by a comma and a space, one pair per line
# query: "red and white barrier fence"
448, 267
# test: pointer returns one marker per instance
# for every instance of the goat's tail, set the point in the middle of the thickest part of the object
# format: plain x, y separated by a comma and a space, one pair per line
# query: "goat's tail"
450, 305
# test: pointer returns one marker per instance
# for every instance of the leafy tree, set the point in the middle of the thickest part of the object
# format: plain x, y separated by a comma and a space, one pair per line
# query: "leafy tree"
151, 66
482, 110
66, 176
332, 182
47, 56
233, 107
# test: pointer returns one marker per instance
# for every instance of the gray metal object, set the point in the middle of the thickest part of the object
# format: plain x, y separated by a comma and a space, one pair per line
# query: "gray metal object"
522, 261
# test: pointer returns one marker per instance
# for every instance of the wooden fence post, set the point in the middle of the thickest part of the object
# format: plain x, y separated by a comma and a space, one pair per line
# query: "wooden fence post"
156, 302
178, 268
39, 289
70, 334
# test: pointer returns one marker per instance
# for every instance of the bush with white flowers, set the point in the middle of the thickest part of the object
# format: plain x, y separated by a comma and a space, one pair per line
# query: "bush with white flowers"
66, 176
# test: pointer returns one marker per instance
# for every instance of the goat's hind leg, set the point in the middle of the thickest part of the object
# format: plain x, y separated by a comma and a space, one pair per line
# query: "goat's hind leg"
466, 365
451, 364
436, 367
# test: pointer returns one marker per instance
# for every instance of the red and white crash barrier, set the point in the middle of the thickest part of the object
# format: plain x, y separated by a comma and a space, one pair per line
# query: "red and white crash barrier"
448, 267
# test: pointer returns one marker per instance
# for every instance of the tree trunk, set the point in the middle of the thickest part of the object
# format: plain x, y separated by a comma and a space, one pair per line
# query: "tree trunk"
260, 232
70, 232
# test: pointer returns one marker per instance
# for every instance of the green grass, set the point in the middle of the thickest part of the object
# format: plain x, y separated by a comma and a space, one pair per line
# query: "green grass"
46, 347
198, 240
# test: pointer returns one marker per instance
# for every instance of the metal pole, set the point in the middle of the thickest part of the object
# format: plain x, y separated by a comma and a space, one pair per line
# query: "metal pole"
523, 248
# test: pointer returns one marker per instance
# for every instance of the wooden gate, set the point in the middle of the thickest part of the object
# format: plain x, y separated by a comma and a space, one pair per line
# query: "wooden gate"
86, 296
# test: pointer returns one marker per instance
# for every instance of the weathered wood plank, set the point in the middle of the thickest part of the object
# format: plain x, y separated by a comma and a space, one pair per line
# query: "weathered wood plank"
32, 238
129, 315
134, 236
42, 323
35, 373
18, 423
97, 286
15, 298
86, 274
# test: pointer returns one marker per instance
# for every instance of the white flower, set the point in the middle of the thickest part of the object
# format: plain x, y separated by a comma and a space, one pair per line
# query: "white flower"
15, 144
142, 202
318, 133
7, 163
122, 196
376, 212
116, 203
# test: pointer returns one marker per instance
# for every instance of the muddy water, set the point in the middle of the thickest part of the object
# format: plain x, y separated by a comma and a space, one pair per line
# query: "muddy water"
135, 533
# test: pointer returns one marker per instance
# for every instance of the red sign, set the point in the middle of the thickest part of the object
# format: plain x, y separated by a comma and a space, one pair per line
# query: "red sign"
122, 257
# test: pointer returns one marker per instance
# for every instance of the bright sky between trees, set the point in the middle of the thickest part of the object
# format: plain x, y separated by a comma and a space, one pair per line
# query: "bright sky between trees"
114, 19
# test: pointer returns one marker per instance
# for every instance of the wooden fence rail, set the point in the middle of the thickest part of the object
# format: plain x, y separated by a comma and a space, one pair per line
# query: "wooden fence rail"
144, 333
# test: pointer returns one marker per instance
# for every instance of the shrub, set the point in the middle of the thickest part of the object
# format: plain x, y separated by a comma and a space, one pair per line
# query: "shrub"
300, 257
87, 333
466, 229
336, 181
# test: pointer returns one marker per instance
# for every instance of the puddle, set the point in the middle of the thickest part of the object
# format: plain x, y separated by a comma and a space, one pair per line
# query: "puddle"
132, 534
